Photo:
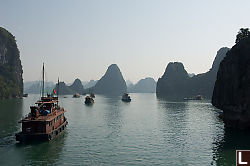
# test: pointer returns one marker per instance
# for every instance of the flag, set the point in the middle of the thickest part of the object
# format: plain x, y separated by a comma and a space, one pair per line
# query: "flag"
54, 91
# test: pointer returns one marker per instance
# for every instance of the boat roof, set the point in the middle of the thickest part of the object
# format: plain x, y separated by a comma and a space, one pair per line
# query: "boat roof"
46, 118
46, 102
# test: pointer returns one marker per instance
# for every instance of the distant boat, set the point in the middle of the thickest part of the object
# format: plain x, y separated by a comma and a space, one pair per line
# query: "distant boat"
92, 95
126, 97
77, 95
89, 100
198, 97
25, 95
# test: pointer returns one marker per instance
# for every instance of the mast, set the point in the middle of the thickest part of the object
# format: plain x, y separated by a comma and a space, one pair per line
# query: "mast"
43, 82
58, 87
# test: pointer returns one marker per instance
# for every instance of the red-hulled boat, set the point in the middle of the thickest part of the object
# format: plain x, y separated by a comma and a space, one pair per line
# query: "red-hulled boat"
45, 121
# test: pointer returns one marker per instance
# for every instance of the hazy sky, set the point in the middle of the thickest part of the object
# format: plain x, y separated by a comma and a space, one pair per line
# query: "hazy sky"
80, 39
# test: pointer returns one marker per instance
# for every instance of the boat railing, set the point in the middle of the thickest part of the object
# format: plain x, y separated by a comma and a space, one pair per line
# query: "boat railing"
59, 109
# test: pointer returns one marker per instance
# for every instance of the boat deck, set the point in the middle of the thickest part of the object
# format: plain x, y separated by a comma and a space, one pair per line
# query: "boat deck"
48, 117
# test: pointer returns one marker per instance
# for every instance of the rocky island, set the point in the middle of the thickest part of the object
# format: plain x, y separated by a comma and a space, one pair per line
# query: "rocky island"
112, 83
146, 85
11, 80
76, 87
232, 87
177, 84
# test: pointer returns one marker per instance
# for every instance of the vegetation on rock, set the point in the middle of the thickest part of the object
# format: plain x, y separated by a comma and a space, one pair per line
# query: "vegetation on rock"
11, 81
232, 88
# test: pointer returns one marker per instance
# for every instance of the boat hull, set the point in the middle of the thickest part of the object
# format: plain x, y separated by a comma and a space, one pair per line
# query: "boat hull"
89, 103
126, 100
37, 137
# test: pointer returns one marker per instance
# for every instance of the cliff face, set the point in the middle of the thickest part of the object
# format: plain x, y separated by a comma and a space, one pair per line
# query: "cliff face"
77, 86
112, 83
172, 83
176, 83
11, 80
232, 88
147, 85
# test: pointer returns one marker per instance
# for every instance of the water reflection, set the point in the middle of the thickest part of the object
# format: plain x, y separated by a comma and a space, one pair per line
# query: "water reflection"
11, 113
173, 119
146, 131
189, 128
225, 149
112, 114
45, 153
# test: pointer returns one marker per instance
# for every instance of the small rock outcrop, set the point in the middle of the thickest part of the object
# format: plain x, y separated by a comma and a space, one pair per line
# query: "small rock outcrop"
232, 88
147, 85
112, 83
176, 83
11, 80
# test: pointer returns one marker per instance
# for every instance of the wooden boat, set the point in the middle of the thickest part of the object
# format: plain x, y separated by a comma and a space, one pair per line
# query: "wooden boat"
89, 100
76, 95
45, 121
198, 97
126, 97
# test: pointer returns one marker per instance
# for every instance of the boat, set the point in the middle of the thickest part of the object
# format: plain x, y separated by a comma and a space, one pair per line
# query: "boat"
25, 95
198, 97
76, 95
89, 100
45, 121
126, 97
92, 95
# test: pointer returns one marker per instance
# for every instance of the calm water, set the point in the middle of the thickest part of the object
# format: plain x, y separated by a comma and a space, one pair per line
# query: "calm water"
147, 131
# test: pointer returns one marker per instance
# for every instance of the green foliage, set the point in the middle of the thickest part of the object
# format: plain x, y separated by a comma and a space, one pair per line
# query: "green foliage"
11, 82
8, 88
244, 33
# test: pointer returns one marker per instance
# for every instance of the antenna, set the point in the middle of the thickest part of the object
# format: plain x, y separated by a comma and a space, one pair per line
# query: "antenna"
57, 91
43, 82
